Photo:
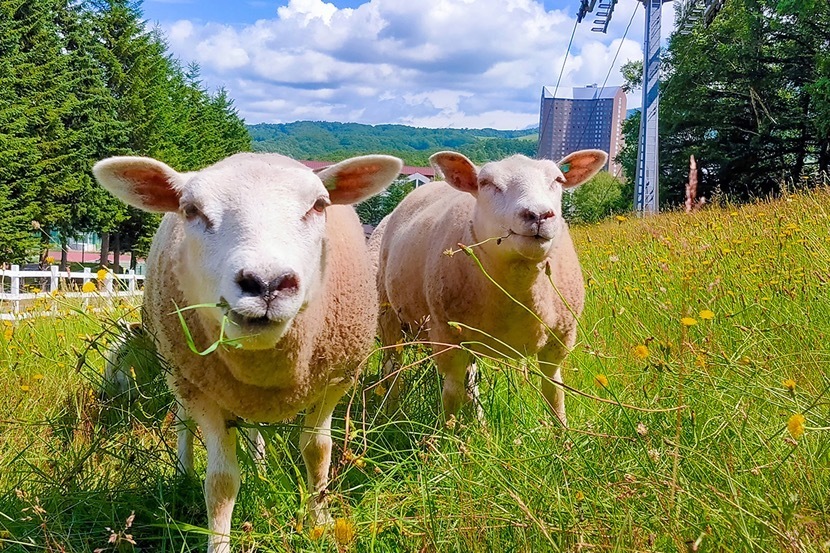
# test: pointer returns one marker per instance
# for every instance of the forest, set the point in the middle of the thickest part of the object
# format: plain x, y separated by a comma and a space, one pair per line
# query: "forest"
329, 141
80, 81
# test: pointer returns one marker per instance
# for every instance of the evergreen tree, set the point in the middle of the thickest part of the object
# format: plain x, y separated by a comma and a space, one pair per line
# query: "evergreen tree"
18, 150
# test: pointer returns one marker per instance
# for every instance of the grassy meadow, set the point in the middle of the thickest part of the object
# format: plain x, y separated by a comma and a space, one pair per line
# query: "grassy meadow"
698, 403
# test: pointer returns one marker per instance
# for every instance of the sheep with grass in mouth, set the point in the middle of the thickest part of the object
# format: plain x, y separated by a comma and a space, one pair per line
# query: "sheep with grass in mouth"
254, 249
512, 210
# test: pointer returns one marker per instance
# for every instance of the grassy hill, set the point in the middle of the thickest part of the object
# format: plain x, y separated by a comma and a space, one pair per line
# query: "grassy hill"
698, 406
335, 141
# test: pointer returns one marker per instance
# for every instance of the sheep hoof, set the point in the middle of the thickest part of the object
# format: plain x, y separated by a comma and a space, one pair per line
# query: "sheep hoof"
319, 516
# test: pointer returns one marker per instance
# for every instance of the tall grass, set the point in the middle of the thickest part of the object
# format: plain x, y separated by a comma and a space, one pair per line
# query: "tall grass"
711, 330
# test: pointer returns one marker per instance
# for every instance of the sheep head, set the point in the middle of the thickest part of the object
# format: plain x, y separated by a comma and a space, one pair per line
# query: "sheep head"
519, 198
253, 230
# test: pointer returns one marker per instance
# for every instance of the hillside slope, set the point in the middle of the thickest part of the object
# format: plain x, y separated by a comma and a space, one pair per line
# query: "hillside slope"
697, 401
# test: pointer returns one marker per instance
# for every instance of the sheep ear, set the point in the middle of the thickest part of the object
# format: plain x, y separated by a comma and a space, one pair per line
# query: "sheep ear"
141, 182
355, 179
580, 166
459, 171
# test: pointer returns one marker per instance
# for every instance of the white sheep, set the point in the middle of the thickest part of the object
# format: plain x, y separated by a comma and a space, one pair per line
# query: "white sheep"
513, 209
287, 279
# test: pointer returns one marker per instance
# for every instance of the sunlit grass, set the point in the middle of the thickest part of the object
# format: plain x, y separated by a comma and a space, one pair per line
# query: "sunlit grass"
712, 328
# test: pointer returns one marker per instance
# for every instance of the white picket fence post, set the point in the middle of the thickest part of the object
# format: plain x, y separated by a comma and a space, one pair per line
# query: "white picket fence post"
108, 283
87, 278
53, 287
15, 289
53, 279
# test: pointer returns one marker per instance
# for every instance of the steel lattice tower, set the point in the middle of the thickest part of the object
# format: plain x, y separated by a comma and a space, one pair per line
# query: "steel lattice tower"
647, 179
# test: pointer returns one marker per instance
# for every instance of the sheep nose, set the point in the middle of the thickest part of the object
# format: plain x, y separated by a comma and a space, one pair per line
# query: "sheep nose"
252, 284
536, 216
286, 283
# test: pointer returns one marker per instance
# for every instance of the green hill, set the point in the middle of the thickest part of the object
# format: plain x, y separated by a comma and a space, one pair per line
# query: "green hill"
328, 141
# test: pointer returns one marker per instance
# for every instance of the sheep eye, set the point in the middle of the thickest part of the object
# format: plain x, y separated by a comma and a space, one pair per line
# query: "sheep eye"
487, 182
192, 212
321, 204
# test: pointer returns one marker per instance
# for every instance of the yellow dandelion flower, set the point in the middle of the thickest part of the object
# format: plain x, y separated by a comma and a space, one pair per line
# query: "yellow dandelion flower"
601, 380
38, 376
24, 388
795, 425
641, 351
360, 462
101, 274
316, 533
621, 218
8, 333
49, 259
89, 286
688, 321
706, 315
789, 384
579, 496
380, 390
343, 531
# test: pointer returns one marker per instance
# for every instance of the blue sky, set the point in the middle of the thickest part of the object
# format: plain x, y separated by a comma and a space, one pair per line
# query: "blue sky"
431, 63
249, 11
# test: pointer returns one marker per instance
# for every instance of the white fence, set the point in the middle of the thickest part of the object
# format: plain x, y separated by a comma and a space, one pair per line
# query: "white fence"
14, 288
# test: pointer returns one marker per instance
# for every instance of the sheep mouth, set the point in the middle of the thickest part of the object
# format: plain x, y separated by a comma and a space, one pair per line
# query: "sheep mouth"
249, 322
538, 237
245, 321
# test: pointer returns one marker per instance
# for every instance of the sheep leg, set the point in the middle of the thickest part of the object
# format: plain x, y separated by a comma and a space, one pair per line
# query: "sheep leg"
255, 444
390, 336
550, 364
222, 478
184, 441
472, 390
460, 385
315, 445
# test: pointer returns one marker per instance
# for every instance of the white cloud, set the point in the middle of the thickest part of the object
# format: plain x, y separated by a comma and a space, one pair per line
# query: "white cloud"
458, 63
307, 11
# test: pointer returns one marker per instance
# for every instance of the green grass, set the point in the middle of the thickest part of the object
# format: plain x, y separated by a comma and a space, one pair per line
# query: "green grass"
702, 454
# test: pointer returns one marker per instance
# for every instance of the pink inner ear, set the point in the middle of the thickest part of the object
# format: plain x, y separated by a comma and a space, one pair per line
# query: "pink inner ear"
352, 182
153, 187
458, 172
580, 167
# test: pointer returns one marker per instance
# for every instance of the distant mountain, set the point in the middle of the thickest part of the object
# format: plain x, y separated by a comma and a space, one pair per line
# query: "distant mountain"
325, 141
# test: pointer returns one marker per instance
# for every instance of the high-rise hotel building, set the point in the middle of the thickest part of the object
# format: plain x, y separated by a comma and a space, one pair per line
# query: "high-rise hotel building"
580, 118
